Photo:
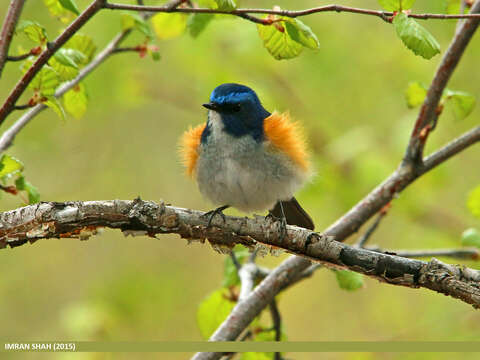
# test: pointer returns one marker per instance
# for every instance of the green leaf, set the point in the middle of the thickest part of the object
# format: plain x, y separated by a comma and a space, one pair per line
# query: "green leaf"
135, 21
64, 73
168, 26
230, 274
52, 102
471, 237
349, 280
63, 58
213, 311
197, 23
32, 191
452, 6
463, 103
301, 33
226, 5
75, 101
415, 94
396, 5
286, 37
10, 166
473, 201
278, 42
70, 6
56, 9
33, 30
46, 81
415, 37
84, 44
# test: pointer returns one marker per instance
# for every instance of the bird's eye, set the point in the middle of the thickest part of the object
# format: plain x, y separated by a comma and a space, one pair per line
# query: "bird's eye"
236, 108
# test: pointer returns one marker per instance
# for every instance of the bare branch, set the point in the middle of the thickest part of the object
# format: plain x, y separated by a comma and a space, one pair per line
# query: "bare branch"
247, 275
384, 15
429, 111
462, 254
8, 29
18, 57
52, 47
365, 237
8, 136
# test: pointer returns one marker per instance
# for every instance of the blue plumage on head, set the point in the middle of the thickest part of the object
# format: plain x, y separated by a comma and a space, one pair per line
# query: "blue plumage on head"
240, 110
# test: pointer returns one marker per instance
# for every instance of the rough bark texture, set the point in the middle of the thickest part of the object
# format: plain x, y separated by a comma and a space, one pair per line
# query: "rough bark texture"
138, 217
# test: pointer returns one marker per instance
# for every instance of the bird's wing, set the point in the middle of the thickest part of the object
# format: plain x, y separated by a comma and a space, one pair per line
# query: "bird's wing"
294, 213
287, 137
189, 147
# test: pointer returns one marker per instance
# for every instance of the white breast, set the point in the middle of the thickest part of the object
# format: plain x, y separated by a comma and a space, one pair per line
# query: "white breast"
242, 173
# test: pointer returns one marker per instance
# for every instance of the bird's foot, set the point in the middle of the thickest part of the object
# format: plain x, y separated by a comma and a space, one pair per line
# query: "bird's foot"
282, 224
218, 211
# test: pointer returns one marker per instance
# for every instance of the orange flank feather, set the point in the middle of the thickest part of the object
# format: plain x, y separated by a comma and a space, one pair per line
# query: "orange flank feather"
287, 136
189, 147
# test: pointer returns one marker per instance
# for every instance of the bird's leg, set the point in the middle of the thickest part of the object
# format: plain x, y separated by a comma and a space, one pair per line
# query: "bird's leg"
218, 211
282, 220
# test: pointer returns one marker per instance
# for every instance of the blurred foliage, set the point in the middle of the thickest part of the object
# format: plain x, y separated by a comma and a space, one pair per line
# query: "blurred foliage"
350, 96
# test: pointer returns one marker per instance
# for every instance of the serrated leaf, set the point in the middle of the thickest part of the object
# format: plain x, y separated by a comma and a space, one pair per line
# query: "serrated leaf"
75, 101
56, 9
135, 21
197, 23
46, 81
415, 37
226, 5
349, 280
415, 94
32, 191
33, 30
301, 33
168, 26
471, 237
84, 44
452, 6
63, 58
463, 103
213, 311
52, 102
278, 42
396, 5
230, 274
70, 6
473, 201
64, 72
10, 166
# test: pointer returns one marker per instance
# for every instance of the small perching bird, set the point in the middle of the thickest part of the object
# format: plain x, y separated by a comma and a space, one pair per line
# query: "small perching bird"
248, 158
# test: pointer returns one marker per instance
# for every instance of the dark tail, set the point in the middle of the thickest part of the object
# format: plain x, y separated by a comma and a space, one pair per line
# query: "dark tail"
294, 214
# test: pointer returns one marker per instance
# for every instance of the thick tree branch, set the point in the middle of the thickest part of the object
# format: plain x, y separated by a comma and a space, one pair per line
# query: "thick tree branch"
8, 28
429, 112
8, 136
52, 47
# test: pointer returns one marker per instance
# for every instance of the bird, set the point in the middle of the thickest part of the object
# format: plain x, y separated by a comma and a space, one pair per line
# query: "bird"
247, 158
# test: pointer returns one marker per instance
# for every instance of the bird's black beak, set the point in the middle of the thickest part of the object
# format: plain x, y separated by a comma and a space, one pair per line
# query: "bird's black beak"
210, 106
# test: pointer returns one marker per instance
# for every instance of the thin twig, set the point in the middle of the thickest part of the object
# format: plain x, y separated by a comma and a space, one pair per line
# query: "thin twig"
52, 47
237, 265
366, 236
429, 111
247, 275
8, 28
288, 13
461, 254
23, 107
277, 324
126, 49
18, 57
9, 135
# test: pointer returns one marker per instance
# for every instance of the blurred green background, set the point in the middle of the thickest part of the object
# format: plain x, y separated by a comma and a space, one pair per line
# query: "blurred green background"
350, 97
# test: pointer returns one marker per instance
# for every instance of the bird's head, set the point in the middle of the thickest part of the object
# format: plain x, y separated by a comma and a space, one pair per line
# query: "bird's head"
239, 109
